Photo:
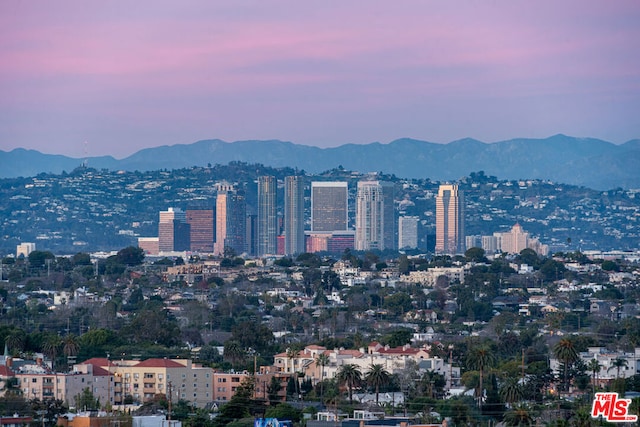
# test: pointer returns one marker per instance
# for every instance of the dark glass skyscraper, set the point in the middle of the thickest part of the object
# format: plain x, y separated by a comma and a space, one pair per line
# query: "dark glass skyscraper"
329, 206
267, 216
294, 215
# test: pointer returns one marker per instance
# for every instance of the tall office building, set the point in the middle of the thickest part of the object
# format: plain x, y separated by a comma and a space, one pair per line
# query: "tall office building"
375, 216
267, 227
231, 221
201, 229
173, 231
294, 215
329, 206
408, 232
449, 220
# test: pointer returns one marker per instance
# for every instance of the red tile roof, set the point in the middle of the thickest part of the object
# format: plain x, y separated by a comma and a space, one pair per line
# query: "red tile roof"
6, 372
159, 363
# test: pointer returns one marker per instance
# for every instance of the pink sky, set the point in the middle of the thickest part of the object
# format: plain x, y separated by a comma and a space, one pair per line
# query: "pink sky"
129, 75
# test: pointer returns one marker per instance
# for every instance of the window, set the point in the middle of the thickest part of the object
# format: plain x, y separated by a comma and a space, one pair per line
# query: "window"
34, 380
235, 379
135, 376
160, 377
148, 375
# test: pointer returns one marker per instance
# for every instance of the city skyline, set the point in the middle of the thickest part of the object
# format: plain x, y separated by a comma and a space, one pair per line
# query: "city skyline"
87, 80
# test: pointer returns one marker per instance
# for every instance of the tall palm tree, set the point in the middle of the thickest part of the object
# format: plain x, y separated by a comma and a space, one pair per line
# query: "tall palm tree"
479, 359
292, 354
566, 352
377, 376
322, 360
594, 366
350, 376
511, 391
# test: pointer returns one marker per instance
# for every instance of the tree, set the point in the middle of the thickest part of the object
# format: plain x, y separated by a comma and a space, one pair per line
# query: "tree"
479, 359
130, 256
233, 352
284, 411
239, 405
511, 391
322, 360
86, 400
618, 363
50, 347
377, 377
565, 351
350, 376
70, 346
475, 254
594, 366
518, 416
273, 390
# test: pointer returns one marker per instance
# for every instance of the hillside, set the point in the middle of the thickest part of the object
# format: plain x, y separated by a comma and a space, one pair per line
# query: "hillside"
586, 162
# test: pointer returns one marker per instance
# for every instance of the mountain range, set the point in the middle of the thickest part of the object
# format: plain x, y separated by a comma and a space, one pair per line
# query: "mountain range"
587, 162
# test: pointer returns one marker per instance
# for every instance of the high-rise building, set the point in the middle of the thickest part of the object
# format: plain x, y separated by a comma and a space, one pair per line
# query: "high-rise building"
449, 220
173, 231
294, 215
251, 234
267, 229
408, 232
24, 249
231, 213
375, 216
329, 206
201, 229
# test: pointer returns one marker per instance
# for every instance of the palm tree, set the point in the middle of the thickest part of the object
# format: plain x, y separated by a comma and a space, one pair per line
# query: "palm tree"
50, 347
566, 352
511, 391
70, 345
376, 377
292, 353
518, 416
15, 341
233, 352
618, 363
322, 360
479, 359
594, 366
350, 376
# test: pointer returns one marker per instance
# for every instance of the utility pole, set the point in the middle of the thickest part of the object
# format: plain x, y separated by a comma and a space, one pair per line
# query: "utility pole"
169, 393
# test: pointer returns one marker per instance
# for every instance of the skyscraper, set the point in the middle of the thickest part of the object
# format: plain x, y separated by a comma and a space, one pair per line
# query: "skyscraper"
449, 220
201, 229
267, 216
375, 216
408, 232
231, 212
294, 215
173, 231
329, 206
